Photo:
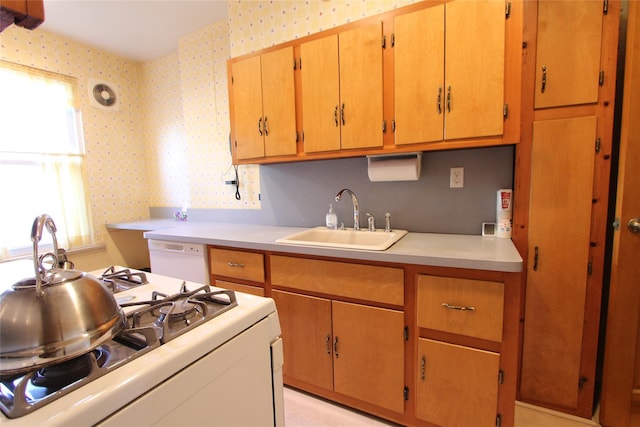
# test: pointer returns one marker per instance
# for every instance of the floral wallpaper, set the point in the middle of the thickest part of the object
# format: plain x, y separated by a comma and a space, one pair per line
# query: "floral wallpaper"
115, 158
167, 143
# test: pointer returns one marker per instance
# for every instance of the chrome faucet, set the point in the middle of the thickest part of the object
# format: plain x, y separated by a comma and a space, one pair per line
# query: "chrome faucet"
356, 207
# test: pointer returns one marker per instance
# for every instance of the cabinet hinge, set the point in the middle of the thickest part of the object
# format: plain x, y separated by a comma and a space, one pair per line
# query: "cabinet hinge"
605, 7
500, 376
601, 78
393, 39
405, 333
507, 10
589, 271
598, 145
498, 420
505, 110
405, 393
581, 382
616, 224
384, 42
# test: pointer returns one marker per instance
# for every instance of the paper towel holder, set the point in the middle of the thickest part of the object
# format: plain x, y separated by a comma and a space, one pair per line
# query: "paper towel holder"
391, 160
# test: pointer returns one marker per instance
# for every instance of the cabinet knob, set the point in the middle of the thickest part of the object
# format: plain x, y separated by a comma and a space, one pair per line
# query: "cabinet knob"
634, 225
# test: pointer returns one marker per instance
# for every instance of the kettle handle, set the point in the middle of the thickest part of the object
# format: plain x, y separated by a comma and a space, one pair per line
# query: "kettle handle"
36, 235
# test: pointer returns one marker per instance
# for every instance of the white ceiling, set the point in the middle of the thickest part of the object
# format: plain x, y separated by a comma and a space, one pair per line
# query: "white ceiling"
136, 29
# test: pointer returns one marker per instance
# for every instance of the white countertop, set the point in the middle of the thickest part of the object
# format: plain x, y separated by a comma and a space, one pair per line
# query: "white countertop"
440, 250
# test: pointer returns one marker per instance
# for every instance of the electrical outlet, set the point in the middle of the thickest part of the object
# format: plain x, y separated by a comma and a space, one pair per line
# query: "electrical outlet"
456, 178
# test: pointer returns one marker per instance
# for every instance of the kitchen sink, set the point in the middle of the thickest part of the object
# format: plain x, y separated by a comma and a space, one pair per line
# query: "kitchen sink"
378, 240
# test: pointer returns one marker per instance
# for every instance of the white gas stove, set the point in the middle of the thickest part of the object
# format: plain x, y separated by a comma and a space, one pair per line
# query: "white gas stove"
190, 355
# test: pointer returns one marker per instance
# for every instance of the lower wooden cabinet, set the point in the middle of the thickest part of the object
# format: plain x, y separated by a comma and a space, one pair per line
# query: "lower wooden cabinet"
353, 349
416, 345
457, 386
306, 336
460, 325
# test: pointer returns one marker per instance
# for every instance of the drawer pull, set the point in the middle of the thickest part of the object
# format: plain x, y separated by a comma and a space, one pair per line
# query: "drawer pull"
234, 264
458, 307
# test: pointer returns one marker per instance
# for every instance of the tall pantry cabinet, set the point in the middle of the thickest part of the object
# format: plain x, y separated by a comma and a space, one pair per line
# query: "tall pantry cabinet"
561, 192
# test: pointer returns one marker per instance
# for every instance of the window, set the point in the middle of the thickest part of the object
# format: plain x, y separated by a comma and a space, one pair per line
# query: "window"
41, 160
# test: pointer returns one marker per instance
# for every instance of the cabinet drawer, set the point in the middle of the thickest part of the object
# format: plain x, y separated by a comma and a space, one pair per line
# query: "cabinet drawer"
365, 282
461, 306
247, 289
237, 264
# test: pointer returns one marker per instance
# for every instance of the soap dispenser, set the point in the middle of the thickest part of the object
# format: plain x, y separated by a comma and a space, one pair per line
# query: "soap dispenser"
332, 219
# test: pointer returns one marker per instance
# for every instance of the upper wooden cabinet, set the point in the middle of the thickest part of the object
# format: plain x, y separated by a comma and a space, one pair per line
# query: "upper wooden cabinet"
28, 14
342, 90
427, 76
449, 84
264, 105
568, 52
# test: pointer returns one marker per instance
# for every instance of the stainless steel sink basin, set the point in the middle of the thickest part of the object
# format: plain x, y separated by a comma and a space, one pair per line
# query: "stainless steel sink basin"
378, 240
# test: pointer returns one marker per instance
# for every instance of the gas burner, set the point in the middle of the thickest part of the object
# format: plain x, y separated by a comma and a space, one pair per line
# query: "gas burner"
179, 311
121, 280
23, 393
55, 377
172, 315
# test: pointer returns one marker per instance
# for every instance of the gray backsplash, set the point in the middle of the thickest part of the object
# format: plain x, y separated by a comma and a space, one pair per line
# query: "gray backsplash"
298, 194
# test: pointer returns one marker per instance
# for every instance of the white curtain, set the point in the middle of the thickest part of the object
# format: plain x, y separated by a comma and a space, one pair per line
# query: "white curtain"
41, 159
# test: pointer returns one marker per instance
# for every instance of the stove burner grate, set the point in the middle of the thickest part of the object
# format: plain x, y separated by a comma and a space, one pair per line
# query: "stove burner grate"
172, 315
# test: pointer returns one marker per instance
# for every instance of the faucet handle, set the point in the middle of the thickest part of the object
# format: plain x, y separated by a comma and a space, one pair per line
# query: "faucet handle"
371, 221
387, 222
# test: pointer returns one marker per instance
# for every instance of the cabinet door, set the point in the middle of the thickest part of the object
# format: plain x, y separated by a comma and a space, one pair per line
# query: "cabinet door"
568, 52
320, 94
474, 69
247, 96
419, 73
306, 336
278, 100
361, 86
457, 386
559, 229
369, 354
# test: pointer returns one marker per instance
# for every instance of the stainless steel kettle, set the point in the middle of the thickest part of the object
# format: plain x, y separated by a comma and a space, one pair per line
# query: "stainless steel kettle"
55, 316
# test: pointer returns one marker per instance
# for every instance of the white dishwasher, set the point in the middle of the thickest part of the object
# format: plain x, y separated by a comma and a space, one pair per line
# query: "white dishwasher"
185, 261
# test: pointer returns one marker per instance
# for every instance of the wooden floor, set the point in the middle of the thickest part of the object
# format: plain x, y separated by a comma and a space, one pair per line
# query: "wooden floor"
304, 410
